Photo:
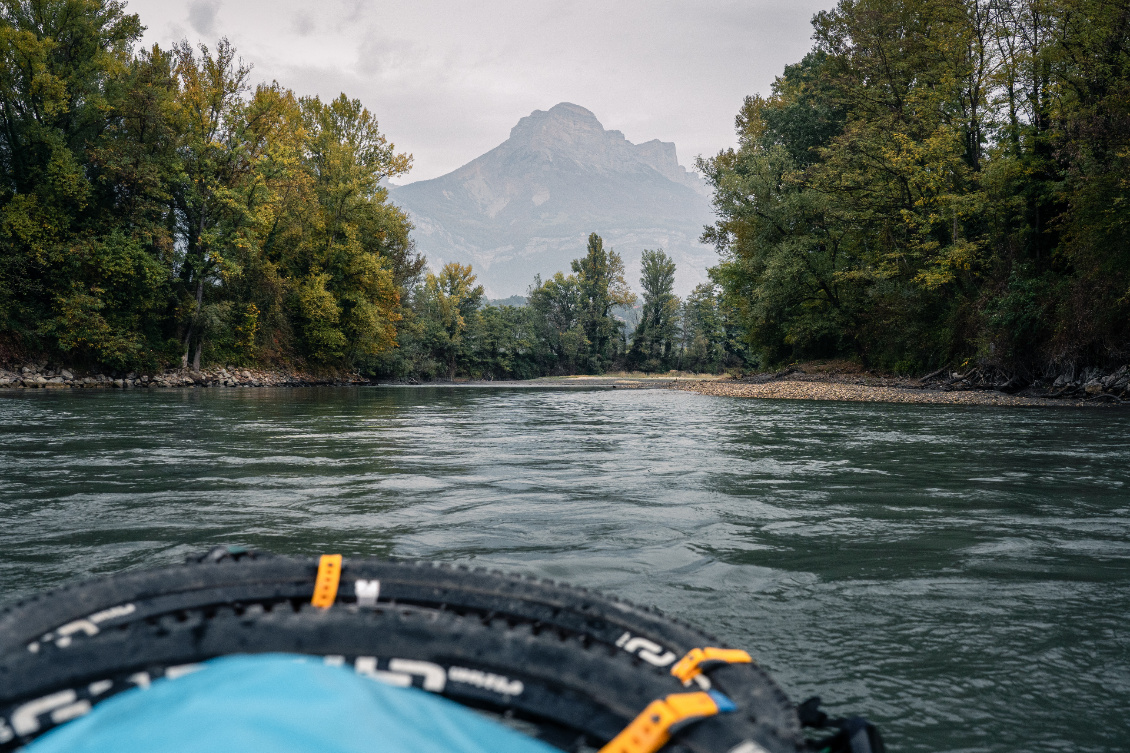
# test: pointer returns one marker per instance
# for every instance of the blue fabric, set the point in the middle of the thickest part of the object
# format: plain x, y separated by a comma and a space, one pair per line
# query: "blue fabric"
272, 703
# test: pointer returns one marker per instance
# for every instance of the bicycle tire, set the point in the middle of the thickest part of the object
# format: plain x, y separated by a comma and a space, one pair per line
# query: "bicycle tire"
563, 687
260, 584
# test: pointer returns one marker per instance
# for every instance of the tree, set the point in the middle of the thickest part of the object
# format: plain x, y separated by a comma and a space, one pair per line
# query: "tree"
654, 344
357, 241
220, 148
67, 269
503, 343
601, 285
790, 263
559, 322
710, 337
450, 300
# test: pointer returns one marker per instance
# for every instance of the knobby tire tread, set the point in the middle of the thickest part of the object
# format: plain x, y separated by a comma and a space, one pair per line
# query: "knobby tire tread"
264, 597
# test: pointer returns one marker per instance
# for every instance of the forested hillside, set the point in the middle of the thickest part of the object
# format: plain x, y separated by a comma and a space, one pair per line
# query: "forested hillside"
937, 181
158, 209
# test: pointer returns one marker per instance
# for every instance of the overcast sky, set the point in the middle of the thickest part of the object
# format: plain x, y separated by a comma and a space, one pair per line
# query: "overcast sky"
447, 79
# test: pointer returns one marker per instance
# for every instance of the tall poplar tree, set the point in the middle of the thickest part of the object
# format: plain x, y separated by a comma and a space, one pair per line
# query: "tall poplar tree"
654, 342
601, 285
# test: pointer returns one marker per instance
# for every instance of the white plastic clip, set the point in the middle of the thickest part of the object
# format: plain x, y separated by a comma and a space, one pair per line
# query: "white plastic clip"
367, 591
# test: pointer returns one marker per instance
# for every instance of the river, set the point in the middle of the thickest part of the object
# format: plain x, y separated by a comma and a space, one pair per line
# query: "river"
959, 575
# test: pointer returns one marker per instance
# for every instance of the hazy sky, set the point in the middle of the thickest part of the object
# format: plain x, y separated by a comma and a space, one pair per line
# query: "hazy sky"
447, 79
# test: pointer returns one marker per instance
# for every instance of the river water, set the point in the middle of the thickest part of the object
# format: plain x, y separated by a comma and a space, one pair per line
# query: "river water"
959, 575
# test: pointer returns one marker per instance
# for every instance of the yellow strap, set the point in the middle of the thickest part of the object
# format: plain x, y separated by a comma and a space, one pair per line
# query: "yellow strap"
691, 665
651, 730
329, 575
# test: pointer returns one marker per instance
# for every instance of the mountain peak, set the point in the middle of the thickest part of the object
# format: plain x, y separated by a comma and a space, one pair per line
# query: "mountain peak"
569, 110
571, 132
562, 113
565, 123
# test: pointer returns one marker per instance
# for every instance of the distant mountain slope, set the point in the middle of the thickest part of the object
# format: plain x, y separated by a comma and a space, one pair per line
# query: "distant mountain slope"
528, 205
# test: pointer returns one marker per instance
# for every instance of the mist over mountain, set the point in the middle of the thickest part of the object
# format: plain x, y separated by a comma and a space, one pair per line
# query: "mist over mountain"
527, 206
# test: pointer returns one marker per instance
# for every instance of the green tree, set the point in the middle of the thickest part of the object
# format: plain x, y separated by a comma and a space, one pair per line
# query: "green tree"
601, 286
853, 214
71, 279
219, 151
710, 337
503, 343
559, 322
358, 241
654, 342
450, 301
1087, 274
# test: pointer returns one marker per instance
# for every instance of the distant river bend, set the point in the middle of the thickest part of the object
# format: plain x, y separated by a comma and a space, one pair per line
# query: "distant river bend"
960, 575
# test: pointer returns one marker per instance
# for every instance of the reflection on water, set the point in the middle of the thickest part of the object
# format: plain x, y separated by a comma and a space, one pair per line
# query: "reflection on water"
961, 575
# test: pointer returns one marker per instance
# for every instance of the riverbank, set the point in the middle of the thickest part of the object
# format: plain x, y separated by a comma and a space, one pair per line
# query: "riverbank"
834, 381
42, 376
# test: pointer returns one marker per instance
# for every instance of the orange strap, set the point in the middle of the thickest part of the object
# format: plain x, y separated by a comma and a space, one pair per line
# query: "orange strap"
698, 659
329, 575
651, 730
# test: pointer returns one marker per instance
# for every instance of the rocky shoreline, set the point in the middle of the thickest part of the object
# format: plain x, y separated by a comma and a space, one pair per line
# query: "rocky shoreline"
43, 376
834, 381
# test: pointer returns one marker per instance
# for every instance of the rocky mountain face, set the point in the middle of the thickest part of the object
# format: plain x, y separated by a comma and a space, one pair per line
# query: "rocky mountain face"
527, 206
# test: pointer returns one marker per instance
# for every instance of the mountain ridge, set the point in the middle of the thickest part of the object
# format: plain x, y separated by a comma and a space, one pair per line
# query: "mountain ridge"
527, 206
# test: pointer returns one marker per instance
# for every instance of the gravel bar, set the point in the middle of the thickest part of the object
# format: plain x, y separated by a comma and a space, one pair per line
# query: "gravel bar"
861, 393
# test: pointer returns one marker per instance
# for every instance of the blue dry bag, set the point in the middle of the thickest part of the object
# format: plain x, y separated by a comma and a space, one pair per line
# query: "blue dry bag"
281, 704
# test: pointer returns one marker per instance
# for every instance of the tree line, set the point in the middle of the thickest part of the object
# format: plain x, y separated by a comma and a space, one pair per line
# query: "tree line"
936, 181
573, 323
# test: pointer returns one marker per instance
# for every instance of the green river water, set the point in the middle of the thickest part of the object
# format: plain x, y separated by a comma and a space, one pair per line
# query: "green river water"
961, 576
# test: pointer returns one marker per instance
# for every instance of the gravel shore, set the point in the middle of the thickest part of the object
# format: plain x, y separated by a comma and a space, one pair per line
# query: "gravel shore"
786, 389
